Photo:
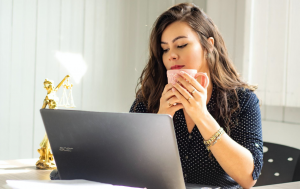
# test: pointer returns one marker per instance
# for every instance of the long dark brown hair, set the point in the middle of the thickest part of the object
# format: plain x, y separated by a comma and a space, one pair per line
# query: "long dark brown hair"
223, 74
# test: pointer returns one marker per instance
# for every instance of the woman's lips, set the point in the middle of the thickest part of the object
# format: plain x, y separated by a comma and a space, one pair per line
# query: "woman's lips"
177, 67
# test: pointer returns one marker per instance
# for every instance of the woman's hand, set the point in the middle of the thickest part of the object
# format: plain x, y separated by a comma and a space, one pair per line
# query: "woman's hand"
192, 95
169, 103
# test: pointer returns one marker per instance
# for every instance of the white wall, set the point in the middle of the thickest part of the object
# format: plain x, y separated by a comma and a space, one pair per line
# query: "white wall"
262, 38
111, 36
274, 51
229, 16
114, 48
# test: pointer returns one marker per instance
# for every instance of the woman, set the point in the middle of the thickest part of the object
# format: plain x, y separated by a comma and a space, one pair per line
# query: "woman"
186, 37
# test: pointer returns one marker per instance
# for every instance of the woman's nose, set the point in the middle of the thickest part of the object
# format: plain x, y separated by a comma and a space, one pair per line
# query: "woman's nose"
173, 56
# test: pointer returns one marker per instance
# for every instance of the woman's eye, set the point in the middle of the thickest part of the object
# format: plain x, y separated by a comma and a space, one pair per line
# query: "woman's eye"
182, 46
165, 50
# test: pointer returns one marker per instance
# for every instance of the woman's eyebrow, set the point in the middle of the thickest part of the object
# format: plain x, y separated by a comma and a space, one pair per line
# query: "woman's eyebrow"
174, 39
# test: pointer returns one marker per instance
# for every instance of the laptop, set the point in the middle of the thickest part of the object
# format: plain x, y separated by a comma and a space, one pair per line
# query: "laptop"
130, 149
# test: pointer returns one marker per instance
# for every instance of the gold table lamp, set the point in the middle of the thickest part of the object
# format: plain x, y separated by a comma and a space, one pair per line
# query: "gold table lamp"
46, 160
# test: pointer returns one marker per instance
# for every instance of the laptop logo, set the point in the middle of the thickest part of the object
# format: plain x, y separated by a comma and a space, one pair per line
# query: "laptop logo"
65, 149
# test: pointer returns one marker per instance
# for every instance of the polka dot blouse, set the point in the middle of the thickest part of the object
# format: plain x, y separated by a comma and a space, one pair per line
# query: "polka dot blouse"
197, 167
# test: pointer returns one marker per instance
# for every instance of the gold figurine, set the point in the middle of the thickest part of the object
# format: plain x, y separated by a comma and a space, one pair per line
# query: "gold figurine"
46, 160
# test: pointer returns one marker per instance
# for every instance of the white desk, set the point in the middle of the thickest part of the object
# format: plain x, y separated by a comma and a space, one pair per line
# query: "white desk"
21, 170
25, 170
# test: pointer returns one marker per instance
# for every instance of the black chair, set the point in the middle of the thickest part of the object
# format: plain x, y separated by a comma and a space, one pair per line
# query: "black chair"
281, 164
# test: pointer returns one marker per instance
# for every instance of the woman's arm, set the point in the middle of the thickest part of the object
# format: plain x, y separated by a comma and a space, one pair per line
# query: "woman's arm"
235, 159
233, 154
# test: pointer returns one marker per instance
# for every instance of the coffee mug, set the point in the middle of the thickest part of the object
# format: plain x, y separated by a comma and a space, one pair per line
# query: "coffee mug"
192, 72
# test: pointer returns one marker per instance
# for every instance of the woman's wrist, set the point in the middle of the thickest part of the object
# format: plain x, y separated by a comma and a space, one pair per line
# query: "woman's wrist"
207, 125
203, 118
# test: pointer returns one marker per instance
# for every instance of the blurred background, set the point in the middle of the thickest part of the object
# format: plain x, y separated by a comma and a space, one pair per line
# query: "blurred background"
103, 45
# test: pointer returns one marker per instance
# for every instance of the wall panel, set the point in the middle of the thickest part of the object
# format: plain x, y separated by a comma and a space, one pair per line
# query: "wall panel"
71, 46
6, 11
224, 16
47, 65
277, 51
89, 55
22, 78
293, 58
257, 67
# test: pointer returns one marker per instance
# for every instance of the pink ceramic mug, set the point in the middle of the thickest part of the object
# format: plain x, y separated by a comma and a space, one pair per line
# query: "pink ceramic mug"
192, 72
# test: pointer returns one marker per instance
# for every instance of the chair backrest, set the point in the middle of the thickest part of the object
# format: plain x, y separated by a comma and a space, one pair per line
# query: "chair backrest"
281, 164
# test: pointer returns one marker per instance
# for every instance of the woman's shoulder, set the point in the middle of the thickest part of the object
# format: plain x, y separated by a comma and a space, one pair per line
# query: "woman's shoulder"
245, 93
139, 106
247, 98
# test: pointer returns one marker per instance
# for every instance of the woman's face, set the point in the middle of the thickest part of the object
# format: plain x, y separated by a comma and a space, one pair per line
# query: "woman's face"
181, 46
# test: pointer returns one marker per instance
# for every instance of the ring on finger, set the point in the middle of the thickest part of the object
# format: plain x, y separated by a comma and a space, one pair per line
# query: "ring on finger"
189, 99
169, 103
194, 91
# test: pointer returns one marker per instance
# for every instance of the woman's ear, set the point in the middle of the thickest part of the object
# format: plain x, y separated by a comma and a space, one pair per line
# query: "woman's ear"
211, 40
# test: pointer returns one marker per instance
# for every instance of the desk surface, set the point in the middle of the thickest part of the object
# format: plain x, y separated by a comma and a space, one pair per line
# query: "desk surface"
25, 170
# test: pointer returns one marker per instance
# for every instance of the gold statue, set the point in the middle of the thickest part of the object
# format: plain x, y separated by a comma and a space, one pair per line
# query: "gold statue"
46, 160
